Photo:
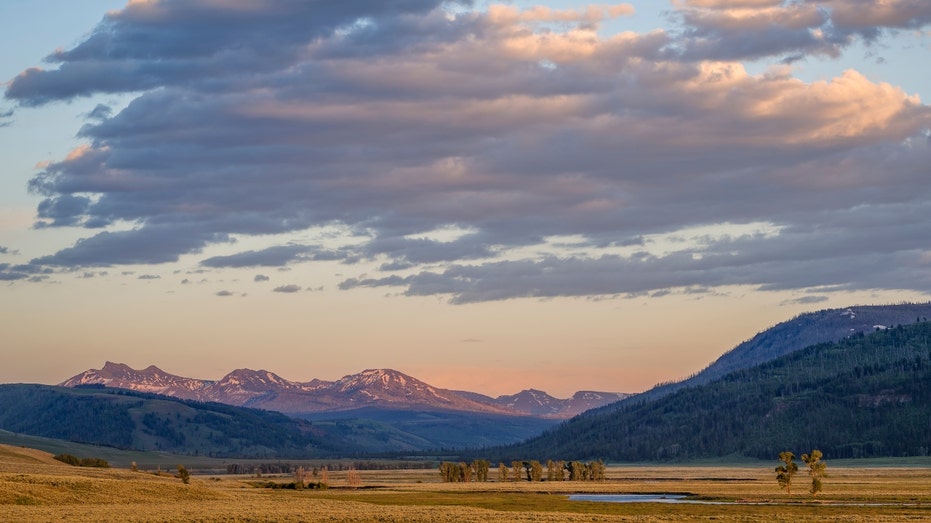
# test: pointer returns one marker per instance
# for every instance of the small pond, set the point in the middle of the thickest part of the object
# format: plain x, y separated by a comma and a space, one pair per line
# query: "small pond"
631, 498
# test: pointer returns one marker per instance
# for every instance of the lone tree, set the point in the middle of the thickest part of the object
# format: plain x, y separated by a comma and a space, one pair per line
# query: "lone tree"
815, 470
299, 476
785, 471
184, 474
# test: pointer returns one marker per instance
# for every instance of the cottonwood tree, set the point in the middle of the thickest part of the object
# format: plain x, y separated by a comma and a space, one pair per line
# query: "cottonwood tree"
481, 467
785, 471
598, 471
449, 471
576, 471
534, 471
353, 480
184, 474
550, 470
465, 472
516, 466
815, 470
299, 476
560, 470
502, 472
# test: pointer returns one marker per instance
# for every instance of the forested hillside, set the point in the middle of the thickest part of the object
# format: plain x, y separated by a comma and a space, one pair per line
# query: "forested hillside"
130, 420
866, 396
802, 331
143, 421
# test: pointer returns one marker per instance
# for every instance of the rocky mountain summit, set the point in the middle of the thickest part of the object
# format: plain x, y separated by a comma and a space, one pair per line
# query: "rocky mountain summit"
380, 388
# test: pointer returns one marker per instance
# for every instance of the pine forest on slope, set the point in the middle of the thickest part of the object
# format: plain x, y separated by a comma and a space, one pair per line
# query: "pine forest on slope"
865, 396
802, 331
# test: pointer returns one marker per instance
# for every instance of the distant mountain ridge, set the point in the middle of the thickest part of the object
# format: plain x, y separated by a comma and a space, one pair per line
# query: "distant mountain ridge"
538, 403
383, 388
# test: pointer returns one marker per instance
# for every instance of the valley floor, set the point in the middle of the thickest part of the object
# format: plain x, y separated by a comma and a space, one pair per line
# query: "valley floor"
36, 488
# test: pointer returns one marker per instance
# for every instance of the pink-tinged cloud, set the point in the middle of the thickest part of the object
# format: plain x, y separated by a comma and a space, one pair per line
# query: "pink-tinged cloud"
393, 119
755, 29
866, 14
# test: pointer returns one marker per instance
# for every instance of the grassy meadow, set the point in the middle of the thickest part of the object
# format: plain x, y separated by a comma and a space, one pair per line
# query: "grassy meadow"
35, 487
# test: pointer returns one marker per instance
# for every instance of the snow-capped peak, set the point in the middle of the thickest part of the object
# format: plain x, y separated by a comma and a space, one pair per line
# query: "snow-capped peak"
385, 388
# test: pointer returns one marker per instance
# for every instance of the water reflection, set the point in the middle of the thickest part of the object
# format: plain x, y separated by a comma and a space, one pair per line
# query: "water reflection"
631, 498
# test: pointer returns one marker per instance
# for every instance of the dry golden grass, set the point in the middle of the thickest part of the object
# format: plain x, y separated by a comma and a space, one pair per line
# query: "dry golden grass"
33, 488
10, 454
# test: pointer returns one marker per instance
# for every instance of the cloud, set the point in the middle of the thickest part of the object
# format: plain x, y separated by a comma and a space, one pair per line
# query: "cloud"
148, 45
867, 15
225, 293
261, 277
149, 277
270, 257
63, 210
806, 300
100, 112
750, 30
287, 288
25, 271
8, 275
556, 155
801, 258
147, 244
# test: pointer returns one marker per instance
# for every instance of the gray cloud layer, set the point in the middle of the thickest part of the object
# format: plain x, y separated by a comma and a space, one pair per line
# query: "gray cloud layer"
397, 118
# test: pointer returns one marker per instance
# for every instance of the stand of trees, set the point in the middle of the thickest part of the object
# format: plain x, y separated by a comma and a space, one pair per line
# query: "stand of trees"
787, 470
288, 468
532, 470
75, 461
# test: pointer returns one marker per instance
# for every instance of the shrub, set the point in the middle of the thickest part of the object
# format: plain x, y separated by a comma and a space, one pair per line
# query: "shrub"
69, 459
74, 461
95, 462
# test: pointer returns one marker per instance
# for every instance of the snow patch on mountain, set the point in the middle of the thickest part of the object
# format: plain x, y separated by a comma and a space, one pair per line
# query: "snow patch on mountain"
385, 388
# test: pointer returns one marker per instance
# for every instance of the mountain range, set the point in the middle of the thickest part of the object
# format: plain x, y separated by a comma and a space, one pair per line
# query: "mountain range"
851, 381
374, 388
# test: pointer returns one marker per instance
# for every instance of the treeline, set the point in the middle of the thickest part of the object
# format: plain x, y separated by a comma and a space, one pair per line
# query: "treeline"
867, 396
75, 461
289, 468
532, 470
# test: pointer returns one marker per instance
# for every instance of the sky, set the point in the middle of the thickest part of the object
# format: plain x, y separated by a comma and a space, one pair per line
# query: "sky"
488, 196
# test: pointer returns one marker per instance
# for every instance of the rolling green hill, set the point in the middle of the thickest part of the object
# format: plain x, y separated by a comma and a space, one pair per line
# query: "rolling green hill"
138, 421
866, 396
141, 421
